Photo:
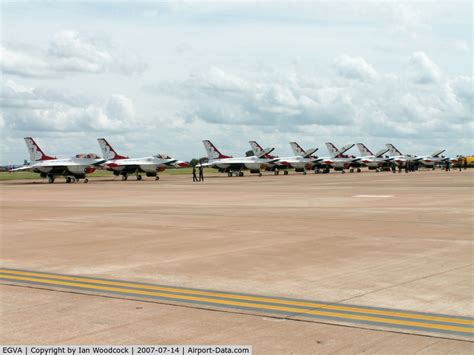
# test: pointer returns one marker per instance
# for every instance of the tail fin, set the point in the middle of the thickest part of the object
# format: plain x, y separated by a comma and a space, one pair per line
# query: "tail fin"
258, 151
297, 150
107, 151
438, 152
333, 151
393, 151
212, 151
256, 148
36, 154
363, 150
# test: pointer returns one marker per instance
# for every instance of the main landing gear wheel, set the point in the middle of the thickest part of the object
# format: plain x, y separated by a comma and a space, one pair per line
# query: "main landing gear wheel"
358, 170
86, 180
285, 172
351, 170
229, 174
343, 172
276, 172
50, 179
304, 172
316, 171
139, 177
124, 177
259, 174
241, 173
157, 178
68, 179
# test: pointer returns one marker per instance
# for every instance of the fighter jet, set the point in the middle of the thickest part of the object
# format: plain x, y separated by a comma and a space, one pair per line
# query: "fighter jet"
73, 169
397, 157
434, 159
372, 161
123, 165
276, 166
234, 166
338, 160
300, 162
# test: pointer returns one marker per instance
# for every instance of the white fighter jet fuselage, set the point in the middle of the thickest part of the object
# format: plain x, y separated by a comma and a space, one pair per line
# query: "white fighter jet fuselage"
122, 165
229, 164
72, 169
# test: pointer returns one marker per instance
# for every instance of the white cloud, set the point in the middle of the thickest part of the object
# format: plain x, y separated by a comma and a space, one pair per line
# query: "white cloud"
17, 63
354, 68
391, 107
36, 109
73, 52
70, 52
423, 69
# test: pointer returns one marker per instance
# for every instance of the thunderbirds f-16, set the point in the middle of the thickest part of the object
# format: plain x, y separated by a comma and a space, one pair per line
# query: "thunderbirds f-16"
73, 169
234, 166
300, 162
371, 160
123, 165
338, 160
434, 159
397, 157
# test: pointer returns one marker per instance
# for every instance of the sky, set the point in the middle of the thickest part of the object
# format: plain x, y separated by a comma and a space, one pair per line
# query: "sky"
159, 77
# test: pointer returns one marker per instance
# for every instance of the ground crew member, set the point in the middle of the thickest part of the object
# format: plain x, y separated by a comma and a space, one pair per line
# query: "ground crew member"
460, 163
201, 173
448, 168
407, 166
394, 168
465, 163
194, 174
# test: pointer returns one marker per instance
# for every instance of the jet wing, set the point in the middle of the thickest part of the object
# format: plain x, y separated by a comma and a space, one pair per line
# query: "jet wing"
346, 148
309, 152
136, 163
265, 152
437, 153
381, 152
21, 168
55, 164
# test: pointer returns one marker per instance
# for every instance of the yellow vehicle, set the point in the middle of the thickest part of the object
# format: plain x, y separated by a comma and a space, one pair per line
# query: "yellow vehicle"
460, 160
470, 160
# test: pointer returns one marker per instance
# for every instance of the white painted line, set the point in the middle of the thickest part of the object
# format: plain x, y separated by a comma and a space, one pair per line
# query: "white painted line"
374, 196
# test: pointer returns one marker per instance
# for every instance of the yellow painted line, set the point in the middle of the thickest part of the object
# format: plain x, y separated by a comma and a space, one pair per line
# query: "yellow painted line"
247, 297
342, 316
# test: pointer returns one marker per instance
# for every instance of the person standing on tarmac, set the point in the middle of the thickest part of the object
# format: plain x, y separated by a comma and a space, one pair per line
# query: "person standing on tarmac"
460, 160
465, 163
448, 165
201, 173
194, 174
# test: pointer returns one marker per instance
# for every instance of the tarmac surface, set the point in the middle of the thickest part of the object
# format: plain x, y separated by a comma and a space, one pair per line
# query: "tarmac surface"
402, 242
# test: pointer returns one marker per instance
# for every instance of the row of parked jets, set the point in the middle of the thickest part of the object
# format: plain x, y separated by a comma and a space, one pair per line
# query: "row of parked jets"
78, 167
